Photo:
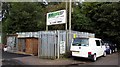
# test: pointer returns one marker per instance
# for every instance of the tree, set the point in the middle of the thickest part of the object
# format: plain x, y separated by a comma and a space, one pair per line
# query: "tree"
106, 19
80, 21
24, 17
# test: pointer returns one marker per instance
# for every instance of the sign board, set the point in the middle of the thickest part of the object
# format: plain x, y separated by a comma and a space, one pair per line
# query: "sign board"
62, 47
57, 17
74, 35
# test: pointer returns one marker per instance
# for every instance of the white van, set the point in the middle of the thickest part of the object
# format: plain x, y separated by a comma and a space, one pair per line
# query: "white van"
90, 48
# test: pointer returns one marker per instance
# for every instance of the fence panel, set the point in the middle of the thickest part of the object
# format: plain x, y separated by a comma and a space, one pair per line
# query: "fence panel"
48, 44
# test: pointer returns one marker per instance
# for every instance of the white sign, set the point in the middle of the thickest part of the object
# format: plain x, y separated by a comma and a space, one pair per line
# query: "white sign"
57, 17
62, 47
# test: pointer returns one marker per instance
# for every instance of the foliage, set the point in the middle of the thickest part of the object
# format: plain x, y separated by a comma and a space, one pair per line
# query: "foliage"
82, 23
105, 16
28, 16
102, 18
24, 17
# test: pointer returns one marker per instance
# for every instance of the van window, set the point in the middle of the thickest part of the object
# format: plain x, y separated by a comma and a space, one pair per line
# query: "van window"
97, 42
80, 42
102, 43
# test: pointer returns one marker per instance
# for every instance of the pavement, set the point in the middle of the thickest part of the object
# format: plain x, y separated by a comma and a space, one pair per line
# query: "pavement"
8, 58
21, 59
0, 62
33, 60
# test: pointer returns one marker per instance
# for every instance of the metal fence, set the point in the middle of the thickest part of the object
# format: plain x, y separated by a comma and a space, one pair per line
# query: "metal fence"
51, 44
47, 44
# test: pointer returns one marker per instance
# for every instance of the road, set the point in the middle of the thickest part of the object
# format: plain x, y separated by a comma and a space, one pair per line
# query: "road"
7, 58
108, 60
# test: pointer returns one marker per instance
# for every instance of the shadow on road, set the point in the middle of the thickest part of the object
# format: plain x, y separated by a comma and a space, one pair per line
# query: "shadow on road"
81, 59
8, 55
11, 62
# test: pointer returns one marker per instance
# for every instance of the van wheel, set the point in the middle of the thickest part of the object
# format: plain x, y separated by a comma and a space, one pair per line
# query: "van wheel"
94, 58
110, 51
104, 54
115, 49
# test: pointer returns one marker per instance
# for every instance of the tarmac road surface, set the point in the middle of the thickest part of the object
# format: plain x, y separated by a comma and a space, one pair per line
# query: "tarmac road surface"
112, 59
108, 60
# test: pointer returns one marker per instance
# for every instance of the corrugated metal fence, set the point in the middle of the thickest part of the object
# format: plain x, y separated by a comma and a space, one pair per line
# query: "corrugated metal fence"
47, 44
51, 44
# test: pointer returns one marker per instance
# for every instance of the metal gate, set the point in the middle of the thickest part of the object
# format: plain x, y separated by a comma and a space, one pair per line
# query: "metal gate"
47, 44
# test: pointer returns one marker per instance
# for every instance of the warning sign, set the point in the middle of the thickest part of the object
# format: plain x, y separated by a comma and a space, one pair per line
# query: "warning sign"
62, 47
74, 35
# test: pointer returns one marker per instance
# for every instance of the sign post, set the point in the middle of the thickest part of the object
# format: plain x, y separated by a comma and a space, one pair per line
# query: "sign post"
46, 27
54, 18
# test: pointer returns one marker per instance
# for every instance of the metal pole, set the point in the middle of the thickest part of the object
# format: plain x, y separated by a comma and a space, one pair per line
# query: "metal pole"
46, 23
66, 26
70, 15
66, 14
69, 22
39, 46
58, 46
46, 27
55, 45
